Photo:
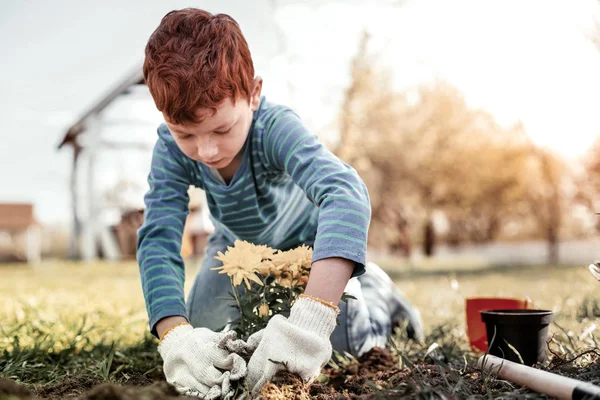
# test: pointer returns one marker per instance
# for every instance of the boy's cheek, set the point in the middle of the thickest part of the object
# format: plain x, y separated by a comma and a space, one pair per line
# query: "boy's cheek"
188, 150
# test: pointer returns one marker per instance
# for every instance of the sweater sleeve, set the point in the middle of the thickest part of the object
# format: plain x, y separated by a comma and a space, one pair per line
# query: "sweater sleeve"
159, 239
335, 187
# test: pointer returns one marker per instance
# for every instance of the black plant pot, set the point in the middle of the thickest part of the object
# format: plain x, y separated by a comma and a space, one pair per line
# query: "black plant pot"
525, 330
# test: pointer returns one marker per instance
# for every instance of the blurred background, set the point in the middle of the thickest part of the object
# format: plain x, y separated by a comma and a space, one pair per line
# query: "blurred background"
473, 123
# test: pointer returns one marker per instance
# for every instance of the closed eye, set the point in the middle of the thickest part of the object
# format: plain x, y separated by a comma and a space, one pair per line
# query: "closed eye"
226, 131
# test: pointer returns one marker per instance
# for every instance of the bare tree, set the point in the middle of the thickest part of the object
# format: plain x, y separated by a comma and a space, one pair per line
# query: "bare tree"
428, 151
546, 198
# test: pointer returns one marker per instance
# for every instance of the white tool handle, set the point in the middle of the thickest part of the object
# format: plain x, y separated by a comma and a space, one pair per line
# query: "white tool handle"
539, 381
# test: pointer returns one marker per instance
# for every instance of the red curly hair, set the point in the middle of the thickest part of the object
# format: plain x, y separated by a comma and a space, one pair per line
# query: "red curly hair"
194, 60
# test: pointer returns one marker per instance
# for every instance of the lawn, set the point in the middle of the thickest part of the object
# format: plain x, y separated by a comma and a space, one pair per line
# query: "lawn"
69, 329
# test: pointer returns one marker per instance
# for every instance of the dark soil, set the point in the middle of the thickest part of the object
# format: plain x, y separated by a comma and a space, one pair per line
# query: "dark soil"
376, 369
377, 375
85, 388
10, 387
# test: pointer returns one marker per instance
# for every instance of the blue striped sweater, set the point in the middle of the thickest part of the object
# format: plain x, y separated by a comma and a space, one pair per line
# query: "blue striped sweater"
289, 190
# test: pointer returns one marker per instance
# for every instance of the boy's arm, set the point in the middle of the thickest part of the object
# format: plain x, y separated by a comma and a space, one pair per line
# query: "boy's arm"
328, 278
159, 239
342, 198
302, 341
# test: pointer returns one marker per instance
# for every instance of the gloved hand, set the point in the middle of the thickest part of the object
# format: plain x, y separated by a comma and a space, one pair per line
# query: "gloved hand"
301, 343
241, 347
196, 362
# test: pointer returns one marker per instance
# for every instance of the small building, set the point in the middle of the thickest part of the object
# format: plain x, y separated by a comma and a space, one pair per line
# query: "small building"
19, 219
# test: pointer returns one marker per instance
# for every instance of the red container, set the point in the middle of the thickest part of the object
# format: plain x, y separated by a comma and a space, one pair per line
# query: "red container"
476, 330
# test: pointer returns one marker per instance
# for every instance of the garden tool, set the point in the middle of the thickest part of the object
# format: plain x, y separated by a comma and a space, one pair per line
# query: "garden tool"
550, 384
595, 270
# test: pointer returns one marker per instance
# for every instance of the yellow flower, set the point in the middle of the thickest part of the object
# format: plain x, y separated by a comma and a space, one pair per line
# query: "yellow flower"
285, 279
265, 268
303, 280
264, 251
304, 254
294, 260
263, 310
239, 264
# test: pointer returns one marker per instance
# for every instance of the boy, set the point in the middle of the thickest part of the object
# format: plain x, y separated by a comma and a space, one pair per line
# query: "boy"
268, 180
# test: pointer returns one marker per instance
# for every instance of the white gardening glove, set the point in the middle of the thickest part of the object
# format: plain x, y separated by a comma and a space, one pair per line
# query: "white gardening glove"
241, 347
301, 343
191, 357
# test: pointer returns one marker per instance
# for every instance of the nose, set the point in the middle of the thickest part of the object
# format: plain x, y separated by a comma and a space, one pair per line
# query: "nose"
207, 149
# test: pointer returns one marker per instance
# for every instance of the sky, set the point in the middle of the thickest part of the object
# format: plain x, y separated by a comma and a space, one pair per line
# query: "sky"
522, 60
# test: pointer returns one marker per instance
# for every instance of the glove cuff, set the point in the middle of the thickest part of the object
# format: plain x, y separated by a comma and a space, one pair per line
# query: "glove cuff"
172, 336
313, 316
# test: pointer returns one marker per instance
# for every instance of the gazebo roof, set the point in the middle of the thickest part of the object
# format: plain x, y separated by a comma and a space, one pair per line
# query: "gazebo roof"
135, 78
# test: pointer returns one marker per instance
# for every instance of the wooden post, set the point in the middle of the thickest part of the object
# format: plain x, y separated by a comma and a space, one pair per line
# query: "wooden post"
95, 233
75, 239
33, 244
89, 248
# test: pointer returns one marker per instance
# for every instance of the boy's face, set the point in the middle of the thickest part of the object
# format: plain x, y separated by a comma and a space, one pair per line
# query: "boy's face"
219, 138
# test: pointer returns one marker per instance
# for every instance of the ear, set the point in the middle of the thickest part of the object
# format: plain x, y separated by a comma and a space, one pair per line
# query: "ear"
256, 91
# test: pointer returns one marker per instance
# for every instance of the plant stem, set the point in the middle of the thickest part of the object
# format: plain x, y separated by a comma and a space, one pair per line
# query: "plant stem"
237, 299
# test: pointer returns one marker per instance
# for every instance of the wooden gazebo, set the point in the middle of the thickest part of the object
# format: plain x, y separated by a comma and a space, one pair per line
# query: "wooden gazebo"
90, 236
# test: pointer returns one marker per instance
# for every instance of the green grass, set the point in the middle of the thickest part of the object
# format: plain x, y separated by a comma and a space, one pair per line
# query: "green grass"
67, 327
